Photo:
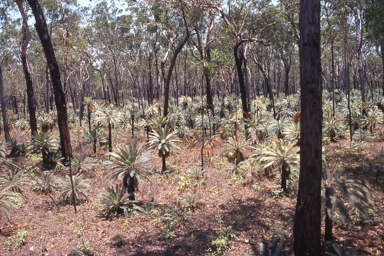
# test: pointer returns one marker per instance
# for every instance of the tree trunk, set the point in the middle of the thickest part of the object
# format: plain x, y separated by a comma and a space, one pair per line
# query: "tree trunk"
28, 78
150, 91
163, 168
61, 103
382, 58
307, 227
168, 78
110, 136
4, 106
47, 91
244, 91
359, 45
328, 214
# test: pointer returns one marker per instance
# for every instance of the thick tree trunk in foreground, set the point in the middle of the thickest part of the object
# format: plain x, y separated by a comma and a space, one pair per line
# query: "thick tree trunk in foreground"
4, 106
307, 229
61, 103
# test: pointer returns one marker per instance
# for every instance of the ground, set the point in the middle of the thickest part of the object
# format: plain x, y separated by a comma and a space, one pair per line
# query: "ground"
236, 213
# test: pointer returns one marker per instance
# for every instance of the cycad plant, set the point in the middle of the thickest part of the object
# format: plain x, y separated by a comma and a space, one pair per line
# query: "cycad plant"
159, 121
81, 162
44, 143
130, 163
107, 115
164, 141
16, 180
333, 127
80, 188
94, 136
47, 184
45, 121
7, 201
282, 155
277, 127
374, 117
115, 200
235, 146
292, 132
90, 108
22, 124
341, 187
17, 147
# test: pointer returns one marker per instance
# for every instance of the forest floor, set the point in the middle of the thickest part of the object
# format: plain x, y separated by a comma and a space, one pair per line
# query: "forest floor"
236, 213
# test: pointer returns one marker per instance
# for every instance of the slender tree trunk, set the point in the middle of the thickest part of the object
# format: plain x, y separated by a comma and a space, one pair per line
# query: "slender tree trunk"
4, 106
239, 58
163, 168
328, 214
28, 78
150, 91
359, 45
168, 78
333, 80
61, 103
48, 89
307, 227
382, 58
110, 136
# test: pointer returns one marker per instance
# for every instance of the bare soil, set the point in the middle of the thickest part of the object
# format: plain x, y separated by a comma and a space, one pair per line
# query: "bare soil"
237, 212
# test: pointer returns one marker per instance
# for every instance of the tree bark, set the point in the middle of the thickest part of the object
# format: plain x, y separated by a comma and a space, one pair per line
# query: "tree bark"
382, 58
28, 78
168, 78
60, 98
244, 91
359, 45
328, 214
307, 227
4, 106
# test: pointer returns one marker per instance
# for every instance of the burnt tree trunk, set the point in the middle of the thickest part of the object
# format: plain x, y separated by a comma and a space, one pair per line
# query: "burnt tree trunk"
61, 103
28, 78
244, 90
328, 214
4, 106
307, 227
382, 58
169, 74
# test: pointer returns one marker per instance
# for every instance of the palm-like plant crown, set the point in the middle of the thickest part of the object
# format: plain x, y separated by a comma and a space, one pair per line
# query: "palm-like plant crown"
43, 142
94, 135
279, 153
7, 201
238, 143
81, 161
163, 140
107, 115
130, 160
292, 131
375, 116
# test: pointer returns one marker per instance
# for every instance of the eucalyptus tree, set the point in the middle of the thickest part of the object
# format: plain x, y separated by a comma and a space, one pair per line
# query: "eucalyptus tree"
203, 38
60, 97
27, 74
239, 18
284, 42
307, 226
8, 40
374, 24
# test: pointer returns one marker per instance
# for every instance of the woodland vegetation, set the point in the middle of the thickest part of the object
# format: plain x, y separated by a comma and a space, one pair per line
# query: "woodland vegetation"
191, 127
